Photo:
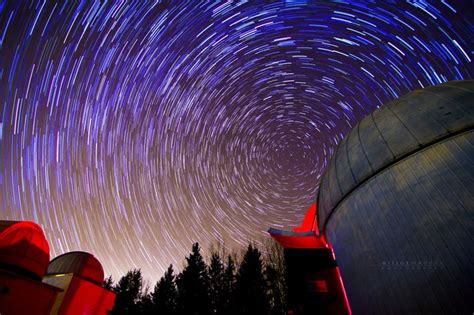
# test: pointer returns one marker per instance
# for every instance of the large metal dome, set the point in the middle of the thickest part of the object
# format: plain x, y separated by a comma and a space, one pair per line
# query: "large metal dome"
397, 204
81, 264
409, 124
23, 248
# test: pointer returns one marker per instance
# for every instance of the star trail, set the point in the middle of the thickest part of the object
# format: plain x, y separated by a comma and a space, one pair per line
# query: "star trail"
132, 129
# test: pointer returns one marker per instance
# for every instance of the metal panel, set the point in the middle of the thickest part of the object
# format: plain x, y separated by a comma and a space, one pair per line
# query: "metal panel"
404, 238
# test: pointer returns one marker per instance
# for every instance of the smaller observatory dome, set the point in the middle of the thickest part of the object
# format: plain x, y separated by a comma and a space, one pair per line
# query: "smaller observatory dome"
23, 248
81, 264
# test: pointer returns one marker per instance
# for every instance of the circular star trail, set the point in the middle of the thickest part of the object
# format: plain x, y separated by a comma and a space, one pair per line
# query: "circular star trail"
132, 129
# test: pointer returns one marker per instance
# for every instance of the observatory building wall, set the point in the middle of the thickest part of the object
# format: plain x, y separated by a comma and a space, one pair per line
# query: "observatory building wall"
397, 204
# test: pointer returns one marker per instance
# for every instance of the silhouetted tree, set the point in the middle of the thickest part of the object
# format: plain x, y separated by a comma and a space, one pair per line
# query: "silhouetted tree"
275, 276
229, 286
146, 305
193, 285
108, 283
164, 295
216, 283
250, 284
274, 291
128, 290
258, 287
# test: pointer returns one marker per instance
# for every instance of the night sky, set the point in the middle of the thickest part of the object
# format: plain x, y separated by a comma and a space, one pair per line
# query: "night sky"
133, 129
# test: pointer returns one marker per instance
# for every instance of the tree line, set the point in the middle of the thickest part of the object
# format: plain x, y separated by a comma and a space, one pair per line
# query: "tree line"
255, 284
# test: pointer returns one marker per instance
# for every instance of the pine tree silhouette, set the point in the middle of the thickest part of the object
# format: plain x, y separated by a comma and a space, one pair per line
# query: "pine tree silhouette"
108, 283
164, 296
275, 291
146, 305
193, 285
258, 287
250, 284
275, 274
229, 286
216, 284
128, 292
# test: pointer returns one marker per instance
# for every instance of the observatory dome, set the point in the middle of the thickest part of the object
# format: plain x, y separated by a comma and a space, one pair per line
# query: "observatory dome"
79, 263
23, 248
397, 204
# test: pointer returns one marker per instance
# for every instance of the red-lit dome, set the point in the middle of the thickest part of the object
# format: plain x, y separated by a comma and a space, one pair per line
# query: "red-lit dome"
81, 264
23, 248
